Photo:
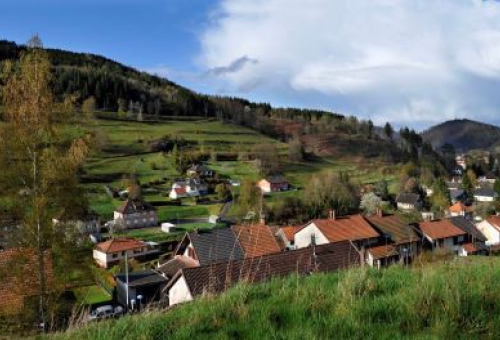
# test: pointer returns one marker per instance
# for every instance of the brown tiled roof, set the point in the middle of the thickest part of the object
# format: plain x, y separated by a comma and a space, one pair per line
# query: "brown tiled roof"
218, 277
440, 229
19, 273
256, 240
383, 251
119, 244
351, 228
172, 266
132, 206
395, 227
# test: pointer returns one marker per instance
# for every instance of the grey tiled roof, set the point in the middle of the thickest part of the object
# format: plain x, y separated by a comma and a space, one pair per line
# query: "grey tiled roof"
136, 279
408, 198
467, 226
485, 191
216, 245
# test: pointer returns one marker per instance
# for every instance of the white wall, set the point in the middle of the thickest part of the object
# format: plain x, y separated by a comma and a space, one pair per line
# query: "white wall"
484, 199
179, 292
138, 220
302, 238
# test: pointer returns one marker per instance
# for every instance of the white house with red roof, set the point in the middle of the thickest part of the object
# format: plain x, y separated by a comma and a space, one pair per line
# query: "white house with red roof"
334, 229
106, 254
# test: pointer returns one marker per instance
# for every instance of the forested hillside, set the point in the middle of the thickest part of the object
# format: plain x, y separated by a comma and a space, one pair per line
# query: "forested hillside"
125, 93
464, 135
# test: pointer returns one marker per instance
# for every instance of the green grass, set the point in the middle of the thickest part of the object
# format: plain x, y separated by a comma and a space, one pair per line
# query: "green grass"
91, 295
119, 159
456, 300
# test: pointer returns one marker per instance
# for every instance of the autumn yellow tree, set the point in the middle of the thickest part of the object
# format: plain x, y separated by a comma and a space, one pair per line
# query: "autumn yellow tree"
39, 161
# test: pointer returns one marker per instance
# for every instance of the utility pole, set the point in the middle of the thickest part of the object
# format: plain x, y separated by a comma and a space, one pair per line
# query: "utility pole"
126, 278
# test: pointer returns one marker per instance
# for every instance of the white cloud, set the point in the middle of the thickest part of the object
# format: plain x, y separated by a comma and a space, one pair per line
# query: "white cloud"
407, 61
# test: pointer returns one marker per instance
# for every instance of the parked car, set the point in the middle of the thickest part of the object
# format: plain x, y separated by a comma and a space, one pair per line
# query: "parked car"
104, 312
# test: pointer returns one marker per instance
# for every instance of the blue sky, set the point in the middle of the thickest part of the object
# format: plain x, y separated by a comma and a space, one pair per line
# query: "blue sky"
410, 62
142, 33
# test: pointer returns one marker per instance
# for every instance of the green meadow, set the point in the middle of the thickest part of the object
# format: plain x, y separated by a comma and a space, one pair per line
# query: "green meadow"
453, 300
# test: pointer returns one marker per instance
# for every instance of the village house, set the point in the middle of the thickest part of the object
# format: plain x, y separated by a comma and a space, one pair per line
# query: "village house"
457, 234
199, 170
273, 184
285, 236
89, 223
443, 234
475, 240
335, 229
485, 194
490, 228
489, 177
226, 244
191, 187
458, 195
399, 241
210, 246
20, 290
189, 283
459, 209
461, 161
196, 187
147, 285
136, 213
409, 201
109, 253
178, 192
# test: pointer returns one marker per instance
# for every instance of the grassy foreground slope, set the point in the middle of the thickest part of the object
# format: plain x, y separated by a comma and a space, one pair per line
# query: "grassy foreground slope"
457, 300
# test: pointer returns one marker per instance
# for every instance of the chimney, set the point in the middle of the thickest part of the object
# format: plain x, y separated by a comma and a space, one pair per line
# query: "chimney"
332, 215
380, 213
197, 230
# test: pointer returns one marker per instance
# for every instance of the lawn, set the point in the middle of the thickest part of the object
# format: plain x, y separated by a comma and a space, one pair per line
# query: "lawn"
91, 295
124, 154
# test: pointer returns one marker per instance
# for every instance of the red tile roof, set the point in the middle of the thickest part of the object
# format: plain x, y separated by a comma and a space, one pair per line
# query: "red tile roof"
256, 240
180, 191
119, 244
290, 231
19, 273
469, 248
440, 229
458, 208
494, 221
351, 228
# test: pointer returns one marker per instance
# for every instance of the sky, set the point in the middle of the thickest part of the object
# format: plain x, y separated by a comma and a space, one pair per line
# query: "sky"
409, 62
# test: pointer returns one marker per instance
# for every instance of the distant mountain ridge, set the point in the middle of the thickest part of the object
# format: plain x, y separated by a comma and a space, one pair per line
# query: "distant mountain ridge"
464, 134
